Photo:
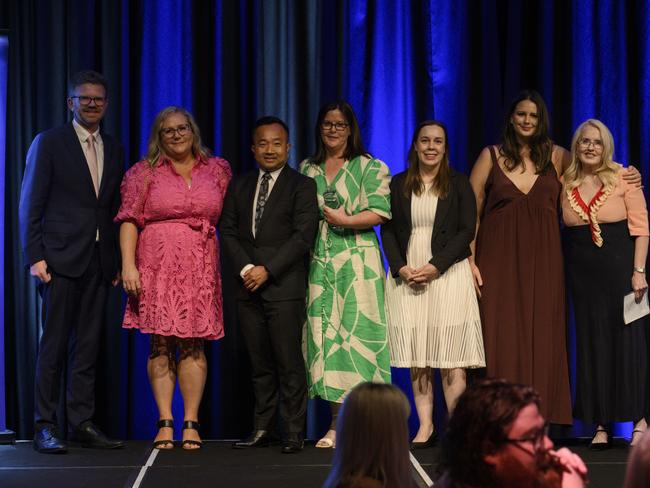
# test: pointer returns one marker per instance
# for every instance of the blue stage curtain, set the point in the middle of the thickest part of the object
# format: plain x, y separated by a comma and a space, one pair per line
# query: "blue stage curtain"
397, 62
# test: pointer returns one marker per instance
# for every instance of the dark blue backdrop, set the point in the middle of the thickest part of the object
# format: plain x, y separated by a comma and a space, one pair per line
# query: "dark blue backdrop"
397, 62
4, 59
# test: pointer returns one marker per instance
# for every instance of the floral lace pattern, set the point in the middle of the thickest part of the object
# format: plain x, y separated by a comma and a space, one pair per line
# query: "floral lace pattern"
177, 253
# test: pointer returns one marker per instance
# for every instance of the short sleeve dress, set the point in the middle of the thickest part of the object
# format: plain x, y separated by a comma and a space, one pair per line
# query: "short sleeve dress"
345, 342
177, 253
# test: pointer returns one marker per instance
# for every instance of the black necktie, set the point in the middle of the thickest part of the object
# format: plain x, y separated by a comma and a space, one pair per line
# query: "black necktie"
261, 199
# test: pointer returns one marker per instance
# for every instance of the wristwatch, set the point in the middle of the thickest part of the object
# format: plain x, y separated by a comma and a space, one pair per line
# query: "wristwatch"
639, 269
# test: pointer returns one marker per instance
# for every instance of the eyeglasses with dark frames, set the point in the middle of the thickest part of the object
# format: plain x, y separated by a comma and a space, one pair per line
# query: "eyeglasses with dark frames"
85, 101
536, 438
339, 126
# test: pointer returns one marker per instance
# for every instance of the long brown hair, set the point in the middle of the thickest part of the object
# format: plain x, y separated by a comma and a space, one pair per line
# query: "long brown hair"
540, 143
413, 182
372, 439
354, 145
155, 147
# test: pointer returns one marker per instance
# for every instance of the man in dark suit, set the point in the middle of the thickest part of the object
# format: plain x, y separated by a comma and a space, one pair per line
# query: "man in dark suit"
69, 197
268, 226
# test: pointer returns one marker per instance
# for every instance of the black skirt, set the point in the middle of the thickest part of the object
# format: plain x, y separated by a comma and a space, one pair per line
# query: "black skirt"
610, 356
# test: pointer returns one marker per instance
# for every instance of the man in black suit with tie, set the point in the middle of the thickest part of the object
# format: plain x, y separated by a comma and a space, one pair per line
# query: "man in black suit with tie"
268, 226
69, 196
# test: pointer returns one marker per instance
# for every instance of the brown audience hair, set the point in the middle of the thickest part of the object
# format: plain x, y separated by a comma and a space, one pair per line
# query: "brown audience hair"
372, 438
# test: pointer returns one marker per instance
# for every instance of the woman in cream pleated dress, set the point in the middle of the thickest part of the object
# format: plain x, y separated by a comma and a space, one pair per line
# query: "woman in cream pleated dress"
432, 309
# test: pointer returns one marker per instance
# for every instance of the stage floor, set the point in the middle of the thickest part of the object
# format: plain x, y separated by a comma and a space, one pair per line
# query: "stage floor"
217, 465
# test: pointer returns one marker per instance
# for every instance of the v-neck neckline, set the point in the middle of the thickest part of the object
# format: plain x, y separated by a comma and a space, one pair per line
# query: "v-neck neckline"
532, 187
337, 176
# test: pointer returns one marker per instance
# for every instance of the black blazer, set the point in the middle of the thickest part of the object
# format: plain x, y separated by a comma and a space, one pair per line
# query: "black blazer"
453, 227
59, 213
285, 235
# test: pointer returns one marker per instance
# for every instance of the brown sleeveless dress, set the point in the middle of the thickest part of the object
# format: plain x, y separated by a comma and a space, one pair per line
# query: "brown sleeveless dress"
519, 254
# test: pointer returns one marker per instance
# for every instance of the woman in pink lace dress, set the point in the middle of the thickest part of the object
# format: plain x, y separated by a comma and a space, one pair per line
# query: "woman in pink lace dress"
171, 202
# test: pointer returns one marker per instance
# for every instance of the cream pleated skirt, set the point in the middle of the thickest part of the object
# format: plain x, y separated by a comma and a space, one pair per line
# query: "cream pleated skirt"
439, 325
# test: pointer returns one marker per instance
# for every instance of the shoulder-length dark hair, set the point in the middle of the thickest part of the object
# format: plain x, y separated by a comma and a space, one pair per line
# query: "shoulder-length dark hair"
482, 416
155, 150
372, 439
413, 181
354, 145
540, 143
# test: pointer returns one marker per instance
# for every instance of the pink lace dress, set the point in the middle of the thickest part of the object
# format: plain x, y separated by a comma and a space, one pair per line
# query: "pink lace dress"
177, 253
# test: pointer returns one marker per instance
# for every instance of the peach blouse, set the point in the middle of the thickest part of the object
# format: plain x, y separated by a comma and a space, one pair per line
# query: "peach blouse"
623, 201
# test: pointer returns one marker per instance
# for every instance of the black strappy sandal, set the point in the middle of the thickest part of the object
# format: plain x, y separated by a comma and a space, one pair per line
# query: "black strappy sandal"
191, 424
158, 444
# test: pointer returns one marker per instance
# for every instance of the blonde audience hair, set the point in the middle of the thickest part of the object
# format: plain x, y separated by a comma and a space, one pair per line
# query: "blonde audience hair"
608, 170
637, 474
155, 151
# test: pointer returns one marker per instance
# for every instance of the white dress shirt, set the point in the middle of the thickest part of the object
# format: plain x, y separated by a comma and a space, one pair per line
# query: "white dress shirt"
83, 135
274, 176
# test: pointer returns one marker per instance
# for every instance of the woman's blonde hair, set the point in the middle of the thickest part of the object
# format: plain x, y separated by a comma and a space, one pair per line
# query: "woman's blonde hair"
607, 172
155, 149
372, 438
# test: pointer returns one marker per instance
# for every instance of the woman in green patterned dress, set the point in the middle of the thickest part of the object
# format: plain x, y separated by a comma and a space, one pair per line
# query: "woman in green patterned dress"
345, 339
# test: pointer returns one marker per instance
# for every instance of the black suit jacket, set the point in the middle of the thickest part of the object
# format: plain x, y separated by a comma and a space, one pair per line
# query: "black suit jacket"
453, 227
285, 235
59, 212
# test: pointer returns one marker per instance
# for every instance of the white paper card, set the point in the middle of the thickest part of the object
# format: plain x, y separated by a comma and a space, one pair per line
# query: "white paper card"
632, 310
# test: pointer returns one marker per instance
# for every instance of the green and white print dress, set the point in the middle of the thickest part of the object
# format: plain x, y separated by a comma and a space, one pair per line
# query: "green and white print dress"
345, 342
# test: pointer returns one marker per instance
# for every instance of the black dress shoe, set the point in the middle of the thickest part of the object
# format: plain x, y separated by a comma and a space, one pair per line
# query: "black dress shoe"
89, 435
259, 438
48, 441
430, 442
293, 443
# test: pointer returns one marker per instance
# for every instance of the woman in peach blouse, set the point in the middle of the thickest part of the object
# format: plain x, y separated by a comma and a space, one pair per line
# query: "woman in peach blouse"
606, 244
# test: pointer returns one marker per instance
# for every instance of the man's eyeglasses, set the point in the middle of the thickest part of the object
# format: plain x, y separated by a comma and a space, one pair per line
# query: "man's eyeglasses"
170, 132
535, 438
339, 126
85, 101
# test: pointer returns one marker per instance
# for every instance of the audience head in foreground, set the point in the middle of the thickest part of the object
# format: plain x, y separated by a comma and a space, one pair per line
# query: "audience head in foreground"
498, 438
637, 474
372, 448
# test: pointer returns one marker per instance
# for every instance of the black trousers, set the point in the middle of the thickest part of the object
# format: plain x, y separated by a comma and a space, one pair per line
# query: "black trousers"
272, 333
73, 315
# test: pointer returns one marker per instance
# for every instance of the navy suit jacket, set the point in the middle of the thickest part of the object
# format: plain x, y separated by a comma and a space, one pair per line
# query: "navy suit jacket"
59, 212
285, 235
453, 227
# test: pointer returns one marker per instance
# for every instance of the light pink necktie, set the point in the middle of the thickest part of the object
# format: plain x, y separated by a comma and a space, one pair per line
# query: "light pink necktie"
92, 162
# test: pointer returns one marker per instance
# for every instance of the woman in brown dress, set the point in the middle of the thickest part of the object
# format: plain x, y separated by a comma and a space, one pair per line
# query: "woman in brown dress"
518, 257
517, 261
